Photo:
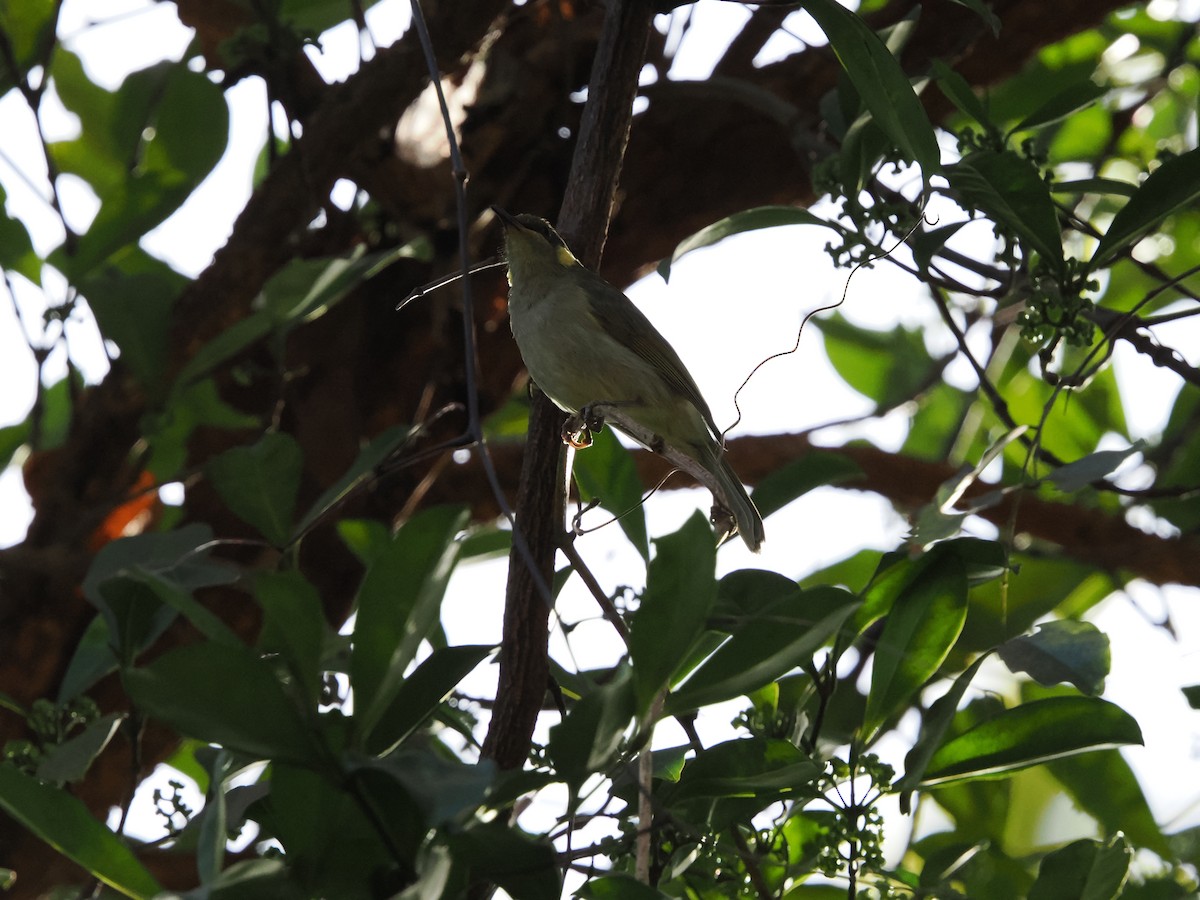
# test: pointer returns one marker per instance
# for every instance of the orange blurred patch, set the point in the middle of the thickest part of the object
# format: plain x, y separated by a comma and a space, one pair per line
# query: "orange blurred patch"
132, 517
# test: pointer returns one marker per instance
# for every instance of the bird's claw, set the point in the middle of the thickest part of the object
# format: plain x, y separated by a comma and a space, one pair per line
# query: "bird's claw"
724, 523
577, 430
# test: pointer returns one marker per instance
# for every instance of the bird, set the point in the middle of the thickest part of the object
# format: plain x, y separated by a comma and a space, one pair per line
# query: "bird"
596, 356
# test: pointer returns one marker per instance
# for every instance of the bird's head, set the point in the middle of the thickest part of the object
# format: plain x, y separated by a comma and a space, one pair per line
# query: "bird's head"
533, 246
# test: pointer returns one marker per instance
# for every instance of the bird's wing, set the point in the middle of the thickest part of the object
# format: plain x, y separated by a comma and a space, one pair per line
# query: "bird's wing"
618, 315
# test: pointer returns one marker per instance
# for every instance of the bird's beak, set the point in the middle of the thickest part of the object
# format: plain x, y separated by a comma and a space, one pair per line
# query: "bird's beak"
504, 216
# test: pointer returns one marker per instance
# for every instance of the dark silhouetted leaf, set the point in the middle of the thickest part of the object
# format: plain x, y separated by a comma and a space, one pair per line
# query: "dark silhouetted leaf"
259, 483
681, 586
63, 822
746, 220
1065, 651
1173, 186
879, 80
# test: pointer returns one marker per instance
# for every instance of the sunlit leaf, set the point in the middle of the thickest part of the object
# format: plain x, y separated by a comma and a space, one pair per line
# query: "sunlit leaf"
920, 629
1173, 186
1072, 99
1033, 733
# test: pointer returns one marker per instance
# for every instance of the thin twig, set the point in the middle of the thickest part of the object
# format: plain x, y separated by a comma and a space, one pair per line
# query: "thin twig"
603, 600
470, 352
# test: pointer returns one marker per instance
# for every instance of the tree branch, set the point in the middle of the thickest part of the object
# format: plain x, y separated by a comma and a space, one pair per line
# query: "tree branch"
583, 222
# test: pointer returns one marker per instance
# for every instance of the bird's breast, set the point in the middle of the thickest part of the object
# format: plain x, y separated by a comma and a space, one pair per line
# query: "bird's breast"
571, 357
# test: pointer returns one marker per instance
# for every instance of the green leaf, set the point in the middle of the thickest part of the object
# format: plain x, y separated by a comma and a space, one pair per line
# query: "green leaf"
984, 12
12, 439
302, 291
169, 432
63, 822
959, 92
1191, 693
593, 732
618, 887
92, 660
1084, 870
174, 122
29, 29
879, 80
364, 468
1120, 807
140, 583
680, 589
213, 827
259, 483
1173, 186
227, 696
319, 822
605, 472
1102, 186
888, 367
294, 626
739, 222
177, 598
132, 296
16, 248
181, 555
70, 760
755, 767
934, 725
423, 692
1079, 474
795, 479
306, 289
1064, 651
1010, 192
524, 867
772, 643
923, 625
398, 605
58, 410
1063, 104
444, 789
316, 16
1032, 733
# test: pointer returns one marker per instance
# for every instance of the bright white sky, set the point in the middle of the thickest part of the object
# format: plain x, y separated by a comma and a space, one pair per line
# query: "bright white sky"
743, 300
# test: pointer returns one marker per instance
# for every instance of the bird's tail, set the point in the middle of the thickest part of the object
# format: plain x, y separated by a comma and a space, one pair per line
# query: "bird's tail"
733, 510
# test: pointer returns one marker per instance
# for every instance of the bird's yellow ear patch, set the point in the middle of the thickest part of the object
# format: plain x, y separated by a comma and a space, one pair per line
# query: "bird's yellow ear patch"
566, 257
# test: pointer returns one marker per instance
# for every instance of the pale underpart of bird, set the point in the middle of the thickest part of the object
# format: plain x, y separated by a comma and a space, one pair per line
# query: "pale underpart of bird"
594, 353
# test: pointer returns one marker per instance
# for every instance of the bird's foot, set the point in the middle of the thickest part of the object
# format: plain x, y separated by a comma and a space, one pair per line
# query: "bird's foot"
577, 430
724, 523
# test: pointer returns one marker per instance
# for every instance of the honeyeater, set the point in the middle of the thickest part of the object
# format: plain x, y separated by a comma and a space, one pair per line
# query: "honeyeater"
594, 353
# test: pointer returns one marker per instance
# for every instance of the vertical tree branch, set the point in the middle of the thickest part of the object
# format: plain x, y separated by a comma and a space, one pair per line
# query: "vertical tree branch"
583, 222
